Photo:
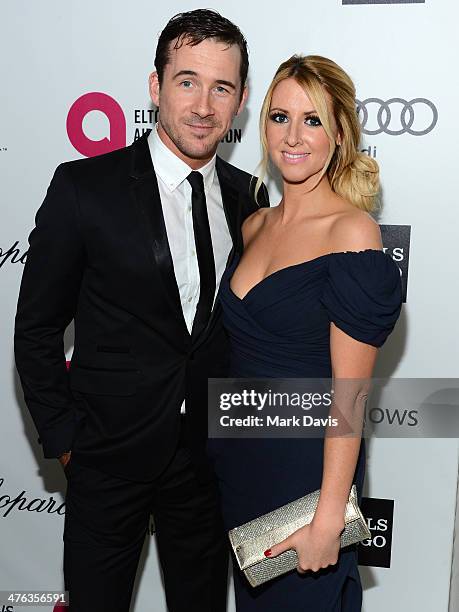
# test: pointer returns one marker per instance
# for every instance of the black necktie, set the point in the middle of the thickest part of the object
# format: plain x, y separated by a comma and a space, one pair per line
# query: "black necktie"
204, 252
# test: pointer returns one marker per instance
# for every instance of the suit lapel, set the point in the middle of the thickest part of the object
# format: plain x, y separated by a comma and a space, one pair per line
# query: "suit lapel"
146, 193
231, 206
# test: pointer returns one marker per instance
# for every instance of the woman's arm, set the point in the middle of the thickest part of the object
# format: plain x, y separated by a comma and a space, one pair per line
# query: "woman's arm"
352, 363
352, 367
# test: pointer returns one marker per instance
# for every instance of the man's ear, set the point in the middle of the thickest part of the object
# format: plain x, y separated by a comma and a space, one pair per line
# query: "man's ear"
245, 93
153, 82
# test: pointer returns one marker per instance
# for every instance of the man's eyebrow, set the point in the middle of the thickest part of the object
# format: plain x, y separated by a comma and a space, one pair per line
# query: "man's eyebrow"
193, 73
185, 73
227, 83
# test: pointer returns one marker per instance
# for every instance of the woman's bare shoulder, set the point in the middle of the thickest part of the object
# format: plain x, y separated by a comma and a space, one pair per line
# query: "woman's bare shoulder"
355, 230
253, 223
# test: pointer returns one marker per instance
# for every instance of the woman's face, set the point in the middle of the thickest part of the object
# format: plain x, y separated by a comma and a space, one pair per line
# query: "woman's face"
297, 143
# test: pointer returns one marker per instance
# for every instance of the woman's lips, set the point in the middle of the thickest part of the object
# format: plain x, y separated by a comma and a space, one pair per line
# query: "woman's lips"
294, 158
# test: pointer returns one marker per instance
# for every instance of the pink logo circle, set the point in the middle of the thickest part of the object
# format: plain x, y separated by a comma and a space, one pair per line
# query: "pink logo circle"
109, 106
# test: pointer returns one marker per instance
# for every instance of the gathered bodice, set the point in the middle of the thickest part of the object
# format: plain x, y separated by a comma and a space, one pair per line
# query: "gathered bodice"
281, 327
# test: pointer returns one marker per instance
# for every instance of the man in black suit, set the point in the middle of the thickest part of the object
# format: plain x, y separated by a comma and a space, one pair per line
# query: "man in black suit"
131, 245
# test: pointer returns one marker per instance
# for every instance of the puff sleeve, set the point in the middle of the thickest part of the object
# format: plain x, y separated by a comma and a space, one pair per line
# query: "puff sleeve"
363, 294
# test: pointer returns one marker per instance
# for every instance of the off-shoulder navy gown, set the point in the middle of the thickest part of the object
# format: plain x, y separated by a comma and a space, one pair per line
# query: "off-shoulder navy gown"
281, 328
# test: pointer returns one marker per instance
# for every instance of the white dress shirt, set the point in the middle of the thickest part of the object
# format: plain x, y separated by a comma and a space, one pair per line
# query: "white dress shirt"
175, 194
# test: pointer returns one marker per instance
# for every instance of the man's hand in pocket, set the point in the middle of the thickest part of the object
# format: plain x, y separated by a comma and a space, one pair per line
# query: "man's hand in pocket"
65, 458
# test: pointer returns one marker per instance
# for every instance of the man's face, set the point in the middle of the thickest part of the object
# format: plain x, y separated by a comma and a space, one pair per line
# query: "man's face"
199, 95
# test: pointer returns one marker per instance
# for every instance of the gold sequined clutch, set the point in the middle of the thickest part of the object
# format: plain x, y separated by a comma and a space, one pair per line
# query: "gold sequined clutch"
249, 541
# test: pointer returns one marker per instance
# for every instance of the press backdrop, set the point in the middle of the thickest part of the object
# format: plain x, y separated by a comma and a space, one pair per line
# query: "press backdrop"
74, 83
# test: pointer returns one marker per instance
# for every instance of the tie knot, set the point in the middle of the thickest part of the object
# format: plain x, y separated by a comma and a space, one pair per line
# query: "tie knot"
196, 181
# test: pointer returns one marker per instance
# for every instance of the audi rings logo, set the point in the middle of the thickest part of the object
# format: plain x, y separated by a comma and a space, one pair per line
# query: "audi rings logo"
396, 116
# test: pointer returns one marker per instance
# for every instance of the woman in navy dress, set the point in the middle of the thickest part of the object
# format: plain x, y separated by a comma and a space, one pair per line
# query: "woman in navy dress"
312, 295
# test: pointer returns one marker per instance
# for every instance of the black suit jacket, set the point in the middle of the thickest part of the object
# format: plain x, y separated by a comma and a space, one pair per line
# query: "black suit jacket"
99, 255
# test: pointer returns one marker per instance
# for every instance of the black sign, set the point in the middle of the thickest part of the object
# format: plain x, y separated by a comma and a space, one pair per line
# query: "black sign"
379, 515
396, 241
383, 1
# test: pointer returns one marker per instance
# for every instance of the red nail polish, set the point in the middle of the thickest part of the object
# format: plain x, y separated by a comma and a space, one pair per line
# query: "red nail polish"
268, 552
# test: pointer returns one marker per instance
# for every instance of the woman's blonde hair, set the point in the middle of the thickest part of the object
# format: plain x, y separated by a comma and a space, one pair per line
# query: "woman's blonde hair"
352, 174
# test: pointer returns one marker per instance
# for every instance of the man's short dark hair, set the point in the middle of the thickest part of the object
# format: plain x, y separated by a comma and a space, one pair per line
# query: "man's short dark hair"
192, 28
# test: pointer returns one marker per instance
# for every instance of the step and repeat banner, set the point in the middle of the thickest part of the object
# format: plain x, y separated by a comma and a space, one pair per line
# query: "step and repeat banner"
74, 84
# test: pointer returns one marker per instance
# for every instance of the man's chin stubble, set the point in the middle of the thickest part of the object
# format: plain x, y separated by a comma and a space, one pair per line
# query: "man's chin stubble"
203, 153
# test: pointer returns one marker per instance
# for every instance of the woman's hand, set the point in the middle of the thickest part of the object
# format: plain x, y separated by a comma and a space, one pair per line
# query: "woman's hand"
317, 544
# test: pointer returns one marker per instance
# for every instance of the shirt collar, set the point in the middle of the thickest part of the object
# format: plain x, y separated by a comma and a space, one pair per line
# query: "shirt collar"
171, 169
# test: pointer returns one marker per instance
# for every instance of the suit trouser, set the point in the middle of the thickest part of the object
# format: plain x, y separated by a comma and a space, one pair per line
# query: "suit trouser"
106, 522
